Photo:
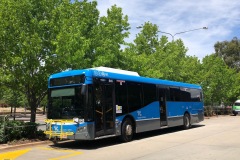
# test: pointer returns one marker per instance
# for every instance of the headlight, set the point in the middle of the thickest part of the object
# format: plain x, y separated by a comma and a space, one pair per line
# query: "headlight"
76, 120
81, 129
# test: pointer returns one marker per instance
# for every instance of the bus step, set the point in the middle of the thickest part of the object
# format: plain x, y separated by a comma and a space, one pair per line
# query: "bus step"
163, 123
107, 136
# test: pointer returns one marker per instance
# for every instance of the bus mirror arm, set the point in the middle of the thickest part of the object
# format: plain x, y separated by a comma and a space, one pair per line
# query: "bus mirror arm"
84, 89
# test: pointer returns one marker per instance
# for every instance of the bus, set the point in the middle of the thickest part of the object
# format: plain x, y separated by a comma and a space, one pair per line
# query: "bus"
236, 107
103, 102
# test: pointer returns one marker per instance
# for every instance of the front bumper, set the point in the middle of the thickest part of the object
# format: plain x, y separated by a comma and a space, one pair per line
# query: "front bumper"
67, 129
235, 112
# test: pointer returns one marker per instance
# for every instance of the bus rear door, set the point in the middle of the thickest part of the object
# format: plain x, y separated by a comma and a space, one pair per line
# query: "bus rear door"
163, 108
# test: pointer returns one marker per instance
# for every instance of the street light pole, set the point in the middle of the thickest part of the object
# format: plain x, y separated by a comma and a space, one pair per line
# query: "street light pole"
183, 32
173, 35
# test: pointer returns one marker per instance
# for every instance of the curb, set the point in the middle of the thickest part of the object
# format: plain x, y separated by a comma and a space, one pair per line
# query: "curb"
4, 147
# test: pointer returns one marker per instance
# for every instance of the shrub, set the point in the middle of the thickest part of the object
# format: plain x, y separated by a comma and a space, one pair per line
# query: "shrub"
30, 130
41, 135
3, 120
16, 130
208, 111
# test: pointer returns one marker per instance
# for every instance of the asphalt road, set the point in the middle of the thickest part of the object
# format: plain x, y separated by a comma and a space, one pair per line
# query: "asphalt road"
214, 138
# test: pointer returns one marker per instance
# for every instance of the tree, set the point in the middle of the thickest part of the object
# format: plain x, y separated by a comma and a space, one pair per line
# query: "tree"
86, 40
229, 51
109, 38
74, 24
218, 81
28, 32
42, 37
147, 40
26, 36
155, 57
191, 70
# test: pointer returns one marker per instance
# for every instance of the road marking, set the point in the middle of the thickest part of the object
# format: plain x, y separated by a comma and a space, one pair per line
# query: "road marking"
13, 155
67, 156
73, 153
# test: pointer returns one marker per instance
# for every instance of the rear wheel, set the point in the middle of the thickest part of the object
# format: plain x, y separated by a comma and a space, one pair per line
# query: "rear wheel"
234, 113
186, 121
127, 130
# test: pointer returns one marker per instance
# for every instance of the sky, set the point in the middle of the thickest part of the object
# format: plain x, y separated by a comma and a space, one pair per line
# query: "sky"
173, 16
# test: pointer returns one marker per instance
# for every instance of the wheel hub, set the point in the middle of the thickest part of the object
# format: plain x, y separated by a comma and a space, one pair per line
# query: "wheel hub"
128, 130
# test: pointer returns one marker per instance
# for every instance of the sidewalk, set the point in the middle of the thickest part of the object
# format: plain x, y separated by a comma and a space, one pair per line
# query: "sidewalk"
26, 118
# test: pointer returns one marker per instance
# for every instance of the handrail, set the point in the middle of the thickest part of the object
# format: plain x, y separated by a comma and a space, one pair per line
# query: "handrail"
61, 134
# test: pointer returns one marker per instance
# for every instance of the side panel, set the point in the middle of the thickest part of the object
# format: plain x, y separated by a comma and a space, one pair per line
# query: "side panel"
176, 112
147, 125
147, 118
197, 114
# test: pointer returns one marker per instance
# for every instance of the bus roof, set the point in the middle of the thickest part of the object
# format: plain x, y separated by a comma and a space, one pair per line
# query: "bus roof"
237, 101
117, 74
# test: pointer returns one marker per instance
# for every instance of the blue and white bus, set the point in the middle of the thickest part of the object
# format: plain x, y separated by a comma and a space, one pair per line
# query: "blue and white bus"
103, 102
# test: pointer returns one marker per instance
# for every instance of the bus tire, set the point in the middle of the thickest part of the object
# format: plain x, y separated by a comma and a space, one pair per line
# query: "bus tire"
127, 130
235, 113
186, 121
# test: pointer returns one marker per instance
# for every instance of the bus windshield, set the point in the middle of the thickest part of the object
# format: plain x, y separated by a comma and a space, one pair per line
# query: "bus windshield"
66, 103
237, 104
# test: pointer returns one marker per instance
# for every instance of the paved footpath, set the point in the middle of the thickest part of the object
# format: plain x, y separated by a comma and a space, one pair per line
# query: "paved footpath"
213, 139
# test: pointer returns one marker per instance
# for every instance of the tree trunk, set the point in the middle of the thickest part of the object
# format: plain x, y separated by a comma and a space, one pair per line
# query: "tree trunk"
33, 113
44, 109
32, 101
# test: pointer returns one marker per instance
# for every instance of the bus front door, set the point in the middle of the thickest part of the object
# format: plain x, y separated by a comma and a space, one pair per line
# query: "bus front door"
104, 117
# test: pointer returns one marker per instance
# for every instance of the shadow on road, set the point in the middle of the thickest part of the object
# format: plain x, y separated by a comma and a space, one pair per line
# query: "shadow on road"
101, 143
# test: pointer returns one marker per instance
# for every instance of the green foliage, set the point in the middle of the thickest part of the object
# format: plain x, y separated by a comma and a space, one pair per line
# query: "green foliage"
74, 24
229, 52
147, 40
43, 37
16, 130
217, 80
108, 38
155, 57
30, 130
208, 111
26, 36
2, 126
158, 58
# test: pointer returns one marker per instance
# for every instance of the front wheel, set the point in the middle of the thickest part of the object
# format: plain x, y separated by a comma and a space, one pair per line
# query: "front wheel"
127, 130
235, 113
186, 121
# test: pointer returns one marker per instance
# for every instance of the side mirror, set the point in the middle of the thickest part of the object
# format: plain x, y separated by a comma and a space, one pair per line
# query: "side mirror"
84, 89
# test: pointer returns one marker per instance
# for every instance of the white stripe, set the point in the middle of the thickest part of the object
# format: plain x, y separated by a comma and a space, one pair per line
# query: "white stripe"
148, 119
